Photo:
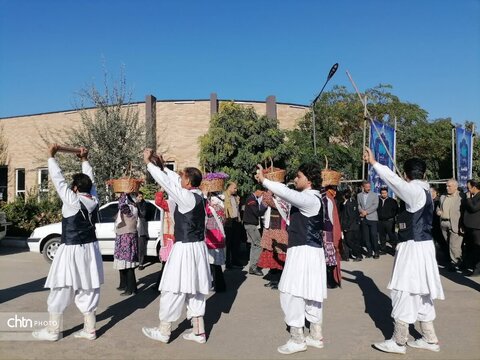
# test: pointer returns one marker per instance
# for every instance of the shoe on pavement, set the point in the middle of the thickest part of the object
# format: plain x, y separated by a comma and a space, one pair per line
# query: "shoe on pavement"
390, 346
314, 343
292, 347
422, 344
82, 334
376, 256
201, 339
155, 334
44, 334
255, 271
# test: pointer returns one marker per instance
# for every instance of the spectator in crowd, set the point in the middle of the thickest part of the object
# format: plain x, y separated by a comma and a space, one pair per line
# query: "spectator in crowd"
350, 221
251, 221
471, 222
367, 207
233, 226
387, 211
440, 244
450, 222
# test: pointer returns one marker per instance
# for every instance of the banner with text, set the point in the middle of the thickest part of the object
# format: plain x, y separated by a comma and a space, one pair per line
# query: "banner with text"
379, 148
464, 145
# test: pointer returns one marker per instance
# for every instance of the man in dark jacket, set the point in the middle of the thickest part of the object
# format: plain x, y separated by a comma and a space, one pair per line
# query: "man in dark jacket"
471, 222
350, 221
387, 210
251, 221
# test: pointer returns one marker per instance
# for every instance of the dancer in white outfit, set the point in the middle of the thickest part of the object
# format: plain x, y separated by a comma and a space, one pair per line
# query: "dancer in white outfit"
186, 278
303, 285
415, 281
77, 268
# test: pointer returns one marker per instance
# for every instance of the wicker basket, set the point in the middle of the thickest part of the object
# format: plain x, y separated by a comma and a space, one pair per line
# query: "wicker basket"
213, 185
273, 173
330, 177
125, 185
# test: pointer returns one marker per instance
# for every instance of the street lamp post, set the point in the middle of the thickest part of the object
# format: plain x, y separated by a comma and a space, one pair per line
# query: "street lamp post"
330, 75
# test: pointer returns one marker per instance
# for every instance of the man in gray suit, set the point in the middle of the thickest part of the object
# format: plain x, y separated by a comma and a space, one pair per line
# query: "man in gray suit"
450, 212
367, 207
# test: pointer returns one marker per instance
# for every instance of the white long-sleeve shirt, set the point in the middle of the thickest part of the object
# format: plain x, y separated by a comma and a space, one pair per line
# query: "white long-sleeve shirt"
71, 200
170, 181
412, 193
307, 201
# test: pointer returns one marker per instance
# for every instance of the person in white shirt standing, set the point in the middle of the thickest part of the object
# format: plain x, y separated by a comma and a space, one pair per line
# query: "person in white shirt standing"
415, 281
77, 268
303, 285
186, 278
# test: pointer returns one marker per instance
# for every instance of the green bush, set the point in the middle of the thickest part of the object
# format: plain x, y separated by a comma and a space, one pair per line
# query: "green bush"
31, 212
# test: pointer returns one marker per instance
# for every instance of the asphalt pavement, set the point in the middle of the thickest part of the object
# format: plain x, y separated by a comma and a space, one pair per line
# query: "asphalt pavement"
245, 322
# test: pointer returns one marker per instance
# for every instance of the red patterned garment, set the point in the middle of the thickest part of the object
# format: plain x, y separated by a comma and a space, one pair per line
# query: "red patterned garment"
274, 238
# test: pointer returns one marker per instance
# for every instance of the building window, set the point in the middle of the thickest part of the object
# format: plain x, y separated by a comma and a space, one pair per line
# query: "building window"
20, 183
3, 183
42, 184
170, 165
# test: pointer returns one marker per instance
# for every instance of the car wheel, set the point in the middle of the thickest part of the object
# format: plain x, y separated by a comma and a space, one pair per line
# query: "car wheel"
50, 248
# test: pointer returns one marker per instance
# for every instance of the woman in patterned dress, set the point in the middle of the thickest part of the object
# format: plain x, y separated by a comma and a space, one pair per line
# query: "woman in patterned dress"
274, 238
215, 239
126, 245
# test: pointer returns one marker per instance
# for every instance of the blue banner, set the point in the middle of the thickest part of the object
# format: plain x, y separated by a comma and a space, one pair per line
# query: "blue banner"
387, 134
464, 145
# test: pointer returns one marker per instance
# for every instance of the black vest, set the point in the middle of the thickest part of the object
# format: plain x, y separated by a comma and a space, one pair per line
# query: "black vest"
190, 227
79, 229
418, 225
304, 230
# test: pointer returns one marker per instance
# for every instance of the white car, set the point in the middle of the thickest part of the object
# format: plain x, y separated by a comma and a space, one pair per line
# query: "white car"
46, 239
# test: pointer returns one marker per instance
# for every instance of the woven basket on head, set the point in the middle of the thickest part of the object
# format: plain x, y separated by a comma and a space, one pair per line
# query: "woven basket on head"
126, 185
330, 177
214, 185
273, 173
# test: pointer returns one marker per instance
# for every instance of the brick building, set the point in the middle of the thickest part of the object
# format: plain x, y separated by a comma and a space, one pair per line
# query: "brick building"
173, 125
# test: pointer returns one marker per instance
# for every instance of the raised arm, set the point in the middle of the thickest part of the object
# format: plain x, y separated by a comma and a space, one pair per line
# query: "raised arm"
409, 192
68, 197
302, 200
184, 199
87, 169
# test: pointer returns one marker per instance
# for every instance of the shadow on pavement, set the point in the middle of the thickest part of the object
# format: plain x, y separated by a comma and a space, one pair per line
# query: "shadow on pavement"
459, 279
122, 309
217, 304
377, 305
22, 289
10, 250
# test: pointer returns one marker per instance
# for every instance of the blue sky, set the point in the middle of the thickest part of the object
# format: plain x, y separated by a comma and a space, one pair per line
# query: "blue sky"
428, 50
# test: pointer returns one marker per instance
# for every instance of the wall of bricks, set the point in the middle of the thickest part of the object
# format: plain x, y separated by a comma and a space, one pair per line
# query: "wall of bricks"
179, 125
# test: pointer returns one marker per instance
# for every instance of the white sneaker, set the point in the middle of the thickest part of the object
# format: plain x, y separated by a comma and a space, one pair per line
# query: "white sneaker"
314, 343
422, 344
292, 347
44, 334
390, 346
82, 334
201, 339
155, 334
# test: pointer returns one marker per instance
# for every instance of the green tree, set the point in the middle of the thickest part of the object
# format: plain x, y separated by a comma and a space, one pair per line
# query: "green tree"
339, 128
112, 133
237, 140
